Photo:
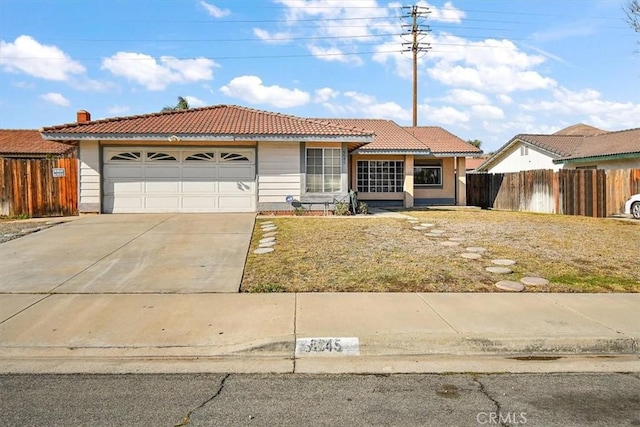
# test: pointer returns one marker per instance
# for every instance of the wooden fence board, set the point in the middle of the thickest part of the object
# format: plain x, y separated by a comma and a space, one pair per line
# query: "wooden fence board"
29, 187
596, 193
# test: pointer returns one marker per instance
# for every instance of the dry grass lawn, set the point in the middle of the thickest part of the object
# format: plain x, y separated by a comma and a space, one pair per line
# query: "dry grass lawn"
375, 254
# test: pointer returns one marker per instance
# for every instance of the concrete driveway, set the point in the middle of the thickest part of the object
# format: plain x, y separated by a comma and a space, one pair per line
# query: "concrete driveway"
141, 253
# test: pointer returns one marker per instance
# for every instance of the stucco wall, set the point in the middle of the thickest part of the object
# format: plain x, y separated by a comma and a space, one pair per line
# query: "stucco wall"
513, 161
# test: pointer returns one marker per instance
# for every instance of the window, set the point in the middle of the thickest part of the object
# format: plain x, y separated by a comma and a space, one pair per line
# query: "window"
202, 157
234, 157
324, 170
427, 175
380, 176
129, 156
524, 150
161, 157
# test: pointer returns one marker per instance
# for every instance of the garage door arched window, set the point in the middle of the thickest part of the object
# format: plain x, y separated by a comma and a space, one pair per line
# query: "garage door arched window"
127, 156
234, 157
158, 156
203, 157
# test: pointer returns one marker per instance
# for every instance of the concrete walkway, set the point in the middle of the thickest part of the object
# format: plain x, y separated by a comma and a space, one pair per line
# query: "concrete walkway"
328, 333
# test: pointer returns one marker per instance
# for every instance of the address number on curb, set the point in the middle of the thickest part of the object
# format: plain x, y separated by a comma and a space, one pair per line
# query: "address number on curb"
328, 346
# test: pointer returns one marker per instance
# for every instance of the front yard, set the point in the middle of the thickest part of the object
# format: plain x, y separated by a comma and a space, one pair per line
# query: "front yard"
333, 254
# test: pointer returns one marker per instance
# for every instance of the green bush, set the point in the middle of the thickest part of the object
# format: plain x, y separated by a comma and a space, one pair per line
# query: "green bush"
342, 208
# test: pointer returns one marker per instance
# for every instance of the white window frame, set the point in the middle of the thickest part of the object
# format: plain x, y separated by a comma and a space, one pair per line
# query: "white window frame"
323, 175
372, 183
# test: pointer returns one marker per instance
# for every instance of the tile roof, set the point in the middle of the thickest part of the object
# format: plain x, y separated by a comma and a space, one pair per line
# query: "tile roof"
560, 145
608, 144
221, 120
389, 136
580, 129
29, 142
441, 141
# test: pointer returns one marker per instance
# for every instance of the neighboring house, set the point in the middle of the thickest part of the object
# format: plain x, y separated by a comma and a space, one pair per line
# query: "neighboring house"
576, 147
28, 144
473, 163
234, 159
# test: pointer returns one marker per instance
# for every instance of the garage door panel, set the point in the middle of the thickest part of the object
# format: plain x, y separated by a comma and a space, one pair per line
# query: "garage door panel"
179, 180
123, 171
161, 187
237, 171
199, 172
234, 187
165, 172
199, 187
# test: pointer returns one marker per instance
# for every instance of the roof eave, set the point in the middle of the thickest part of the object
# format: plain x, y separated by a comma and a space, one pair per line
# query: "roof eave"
58, 136
456, 153
393, 152
618, 156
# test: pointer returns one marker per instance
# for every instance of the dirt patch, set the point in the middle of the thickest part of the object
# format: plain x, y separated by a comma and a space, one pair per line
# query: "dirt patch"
576, 254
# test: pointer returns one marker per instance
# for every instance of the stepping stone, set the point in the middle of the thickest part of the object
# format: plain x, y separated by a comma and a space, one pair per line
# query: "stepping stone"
449, 243
270, 234
261, 251
438, 231
499, 270
457, 239
503, 262
419, 227
268, 239
433, 235
510, 285
266, 223
534, 281
267, 229
413, 221
470, 255
477, 249
30, 230
426, 224
266, 244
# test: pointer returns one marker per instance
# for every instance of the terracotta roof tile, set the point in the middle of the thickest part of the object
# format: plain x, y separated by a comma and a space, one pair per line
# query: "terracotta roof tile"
561, 145
389, 135
442, 141
213, 120
608, 144
29, 141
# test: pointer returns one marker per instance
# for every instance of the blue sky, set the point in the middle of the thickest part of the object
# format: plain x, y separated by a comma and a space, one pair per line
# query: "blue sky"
495, 68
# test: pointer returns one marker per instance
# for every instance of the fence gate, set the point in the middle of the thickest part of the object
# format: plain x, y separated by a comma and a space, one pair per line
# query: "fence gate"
39, 187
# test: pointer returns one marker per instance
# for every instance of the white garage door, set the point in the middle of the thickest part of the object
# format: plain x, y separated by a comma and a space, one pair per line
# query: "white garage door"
200, 179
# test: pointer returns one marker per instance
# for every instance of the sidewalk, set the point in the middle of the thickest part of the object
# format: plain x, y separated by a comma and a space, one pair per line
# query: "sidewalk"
319, 333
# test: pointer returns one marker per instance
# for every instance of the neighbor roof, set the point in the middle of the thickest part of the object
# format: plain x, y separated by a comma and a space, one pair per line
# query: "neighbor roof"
580, 129
442, 142
219, 121
389, 137
568, 145
16, 142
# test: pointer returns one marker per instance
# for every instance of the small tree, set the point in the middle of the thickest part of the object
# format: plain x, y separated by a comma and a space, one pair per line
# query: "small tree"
182, 104
476, 143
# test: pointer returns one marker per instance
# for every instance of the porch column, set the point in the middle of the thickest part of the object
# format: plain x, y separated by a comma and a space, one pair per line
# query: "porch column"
461, 168
408, 181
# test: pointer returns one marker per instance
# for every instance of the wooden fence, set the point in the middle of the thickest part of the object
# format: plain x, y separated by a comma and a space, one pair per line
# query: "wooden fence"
597, 193
39, 187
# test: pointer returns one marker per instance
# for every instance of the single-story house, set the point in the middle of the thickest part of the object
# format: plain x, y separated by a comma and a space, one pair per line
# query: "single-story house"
28, 144
576, 147
234, 159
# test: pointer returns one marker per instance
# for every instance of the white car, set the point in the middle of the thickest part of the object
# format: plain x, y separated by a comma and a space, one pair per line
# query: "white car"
632, 206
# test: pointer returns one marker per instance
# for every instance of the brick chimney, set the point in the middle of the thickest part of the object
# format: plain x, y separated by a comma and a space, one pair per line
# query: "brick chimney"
83, 116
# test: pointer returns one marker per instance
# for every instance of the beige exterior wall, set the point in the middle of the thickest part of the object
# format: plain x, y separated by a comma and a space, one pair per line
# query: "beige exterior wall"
278, 171
611, 164
462, 181
89, 177
447, 191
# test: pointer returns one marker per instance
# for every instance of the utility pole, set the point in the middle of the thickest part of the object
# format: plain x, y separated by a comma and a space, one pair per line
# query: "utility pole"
418, 29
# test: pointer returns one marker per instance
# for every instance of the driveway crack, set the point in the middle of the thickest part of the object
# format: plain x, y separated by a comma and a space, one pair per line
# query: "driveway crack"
187, 418
498, 410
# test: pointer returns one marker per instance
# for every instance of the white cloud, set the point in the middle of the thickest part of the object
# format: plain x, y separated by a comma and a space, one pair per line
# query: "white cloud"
505, 99
445, 115
489, 112
331, 54
325, 94
448, 13
56, 99
146, 71
117, 110
251, 89
215, 11
28, 56
195, 102
466, 97
273, 38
